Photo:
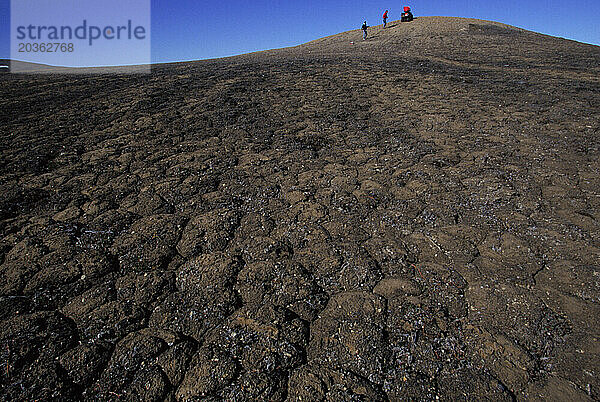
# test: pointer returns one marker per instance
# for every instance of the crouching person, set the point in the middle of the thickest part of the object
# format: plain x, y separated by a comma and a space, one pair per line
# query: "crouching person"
406, 15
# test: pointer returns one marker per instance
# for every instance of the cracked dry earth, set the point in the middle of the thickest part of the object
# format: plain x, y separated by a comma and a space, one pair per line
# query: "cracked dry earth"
415, 216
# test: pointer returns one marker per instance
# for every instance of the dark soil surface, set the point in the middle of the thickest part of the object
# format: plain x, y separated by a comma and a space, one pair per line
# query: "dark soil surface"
412, 216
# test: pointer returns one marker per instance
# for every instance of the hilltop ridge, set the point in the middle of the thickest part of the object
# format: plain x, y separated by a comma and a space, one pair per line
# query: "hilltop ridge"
452, 38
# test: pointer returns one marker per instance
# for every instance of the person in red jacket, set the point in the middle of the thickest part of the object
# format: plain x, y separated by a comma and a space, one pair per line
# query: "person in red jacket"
385, 18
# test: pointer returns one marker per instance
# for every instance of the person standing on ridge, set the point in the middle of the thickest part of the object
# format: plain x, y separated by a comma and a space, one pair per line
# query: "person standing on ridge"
364, 29
385, 18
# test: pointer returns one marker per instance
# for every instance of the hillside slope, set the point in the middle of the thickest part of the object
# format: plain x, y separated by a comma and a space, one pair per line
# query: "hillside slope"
412, 216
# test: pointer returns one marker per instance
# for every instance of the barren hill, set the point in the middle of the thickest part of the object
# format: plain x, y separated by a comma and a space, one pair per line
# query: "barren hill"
412, 216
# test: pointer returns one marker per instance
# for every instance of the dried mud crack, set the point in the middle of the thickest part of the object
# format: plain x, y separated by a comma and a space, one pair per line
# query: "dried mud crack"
410, 217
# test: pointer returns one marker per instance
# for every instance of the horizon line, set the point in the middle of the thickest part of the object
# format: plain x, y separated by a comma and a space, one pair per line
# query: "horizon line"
152, 63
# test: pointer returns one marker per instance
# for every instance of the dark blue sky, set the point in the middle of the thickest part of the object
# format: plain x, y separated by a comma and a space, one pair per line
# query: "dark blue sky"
189, 30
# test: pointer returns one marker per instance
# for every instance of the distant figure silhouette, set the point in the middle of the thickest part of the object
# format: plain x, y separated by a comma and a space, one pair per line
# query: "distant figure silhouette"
364, 29
406, 15
385, 18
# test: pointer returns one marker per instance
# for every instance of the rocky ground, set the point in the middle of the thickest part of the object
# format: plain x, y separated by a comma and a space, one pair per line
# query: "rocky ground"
413, 216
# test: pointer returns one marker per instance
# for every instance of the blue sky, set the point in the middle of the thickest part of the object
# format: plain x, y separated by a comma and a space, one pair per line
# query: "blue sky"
189, 30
